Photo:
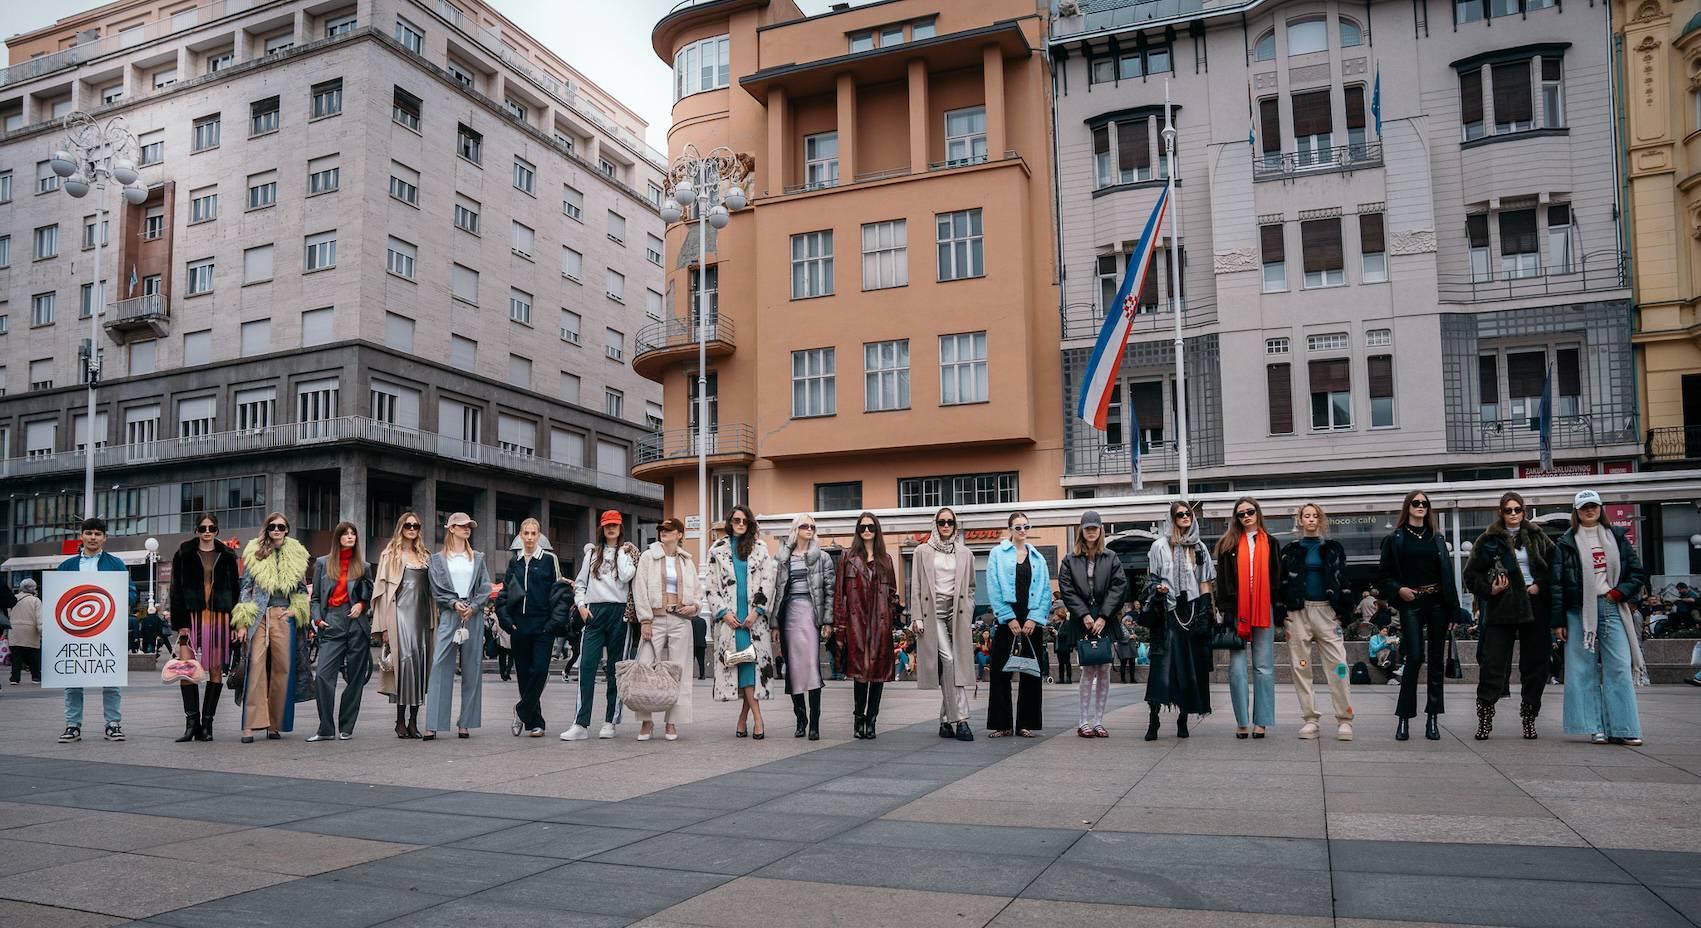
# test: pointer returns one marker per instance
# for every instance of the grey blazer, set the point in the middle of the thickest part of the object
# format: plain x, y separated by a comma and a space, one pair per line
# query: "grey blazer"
443, 589
359, 591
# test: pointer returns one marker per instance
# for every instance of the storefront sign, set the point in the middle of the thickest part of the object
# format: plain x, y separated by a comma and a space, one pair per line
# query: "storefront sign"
84, 628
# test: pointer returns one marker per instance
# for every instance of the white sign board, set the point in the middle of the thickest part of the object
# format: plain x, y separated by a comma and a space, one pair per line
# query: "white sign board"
85, 628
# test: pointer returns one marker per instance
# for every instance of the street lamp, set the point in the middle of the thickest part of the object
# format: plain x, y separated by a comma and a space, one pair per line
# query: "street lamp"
97, 152
696, 178
152, 544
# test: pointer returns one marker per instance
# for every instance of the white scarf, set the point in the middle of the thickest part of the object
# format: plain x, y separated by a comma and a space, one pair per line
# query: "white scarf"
1588, 538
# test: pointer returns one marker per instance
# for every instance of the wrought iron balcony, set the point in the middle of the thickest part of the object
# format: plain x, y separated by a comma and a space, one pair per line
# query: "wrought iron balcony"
1602, 270
1569, 433
1672, 444
1355, 157
1094, 456
679, 446
673, 339
1083, 320
150, 313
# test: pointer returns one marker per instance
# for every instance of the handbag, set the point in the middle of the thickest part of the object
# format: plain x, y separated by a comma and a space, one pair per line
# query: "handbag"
732, 657
236, 671
306, 676
1455, 670
1018, 664
649, 686
1225, 636
179, 670
1095, 651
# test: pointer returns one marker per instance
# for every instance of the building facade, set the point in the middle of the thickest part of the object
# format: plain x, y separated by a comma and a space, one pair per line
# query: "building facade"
393, 256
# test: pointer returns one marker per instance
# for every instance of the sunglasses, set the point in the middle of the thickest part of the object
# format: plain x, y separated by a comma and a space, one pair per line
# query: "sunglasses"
1512, 510
945, 523
1019, 527
410, 526
1420, 504
865, 527
1179, 515
207, 530
1246, 513
807, 525
740, 520
278, 527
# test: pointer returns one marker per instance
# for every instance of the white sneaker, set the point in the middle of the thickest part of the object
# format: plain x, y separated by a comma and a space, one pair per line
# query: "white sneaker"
607, 730
1345, 732
576, 733
1308, 731
1393, 681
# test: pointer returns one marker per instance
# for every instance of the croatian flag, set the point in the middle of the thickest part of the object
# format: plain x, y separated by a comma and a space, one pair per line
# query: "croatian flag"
1100, 376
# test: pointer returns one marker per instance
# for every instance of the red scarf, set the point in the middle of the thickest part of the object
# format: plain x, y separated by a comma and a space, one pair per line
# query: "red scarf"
339, 593
1254, 590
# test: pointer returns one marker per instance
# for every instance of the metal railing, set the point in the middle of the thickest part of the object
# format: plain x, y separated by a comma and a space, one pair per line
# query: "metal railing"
675, 444
1603, 270
145, 308
1569, 432
1093, 456
343, 429
1099, 15
677, 333
1271, 166
129, 38
1673, 443
1083, 320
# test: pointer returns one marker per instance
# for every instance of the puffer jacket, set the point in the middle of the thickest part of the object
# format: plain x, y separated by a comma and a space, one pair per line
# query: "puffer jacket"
1335, 590
1514, 605
819, 565
1566, 588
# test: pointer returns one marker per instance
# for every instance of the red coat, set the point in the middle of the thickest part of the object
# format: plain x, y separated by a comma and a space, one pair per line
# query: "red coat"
866, 608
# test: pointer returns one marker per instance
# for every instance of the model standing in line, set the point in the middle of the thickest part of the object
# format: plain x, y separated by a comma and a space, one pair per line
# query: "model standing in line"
942, 603
740, 573
803, 581
271, 609
1018, 584
605, 583
204, 585
1509, 573
666, 596
1093, 588
1314, 594
342, 594
866, 607
1596, 577
1248, 571
535, 606
460, 586
1179, 617
403, 621
1417, 578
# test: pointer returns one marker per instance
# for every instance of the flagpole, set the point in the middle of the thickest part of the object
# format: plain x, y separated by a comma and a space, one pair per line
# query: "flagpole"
1175, 294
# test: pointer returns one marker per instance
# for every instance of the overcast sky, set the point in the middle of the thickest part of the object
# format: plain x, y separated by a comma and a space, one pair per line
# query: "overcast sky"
607, 40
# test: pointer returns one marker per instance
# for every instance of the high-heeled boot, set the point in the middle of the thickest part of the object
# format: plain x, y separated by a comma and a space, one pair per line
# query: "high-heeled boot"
1403, 730
1432, 727
413, 722
815, 714
1485, 720
1152, 728
209, 708
1527, 714
401, 721
802, 715
1181, 725
191, 711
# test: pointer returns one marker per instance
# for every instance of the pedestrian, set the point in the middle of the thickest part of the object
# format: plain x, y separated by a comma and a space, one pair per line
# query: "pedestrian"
605, 583
1019, 586
153, 630
1313, 593
803, 582
700, 642
498, 643
666, 598
341, 598
1093, 588
1509, 574
1417, 576
1062, 641
1367, 606
1179, 617
1596, 576
983, 653
403, 621
205, 583
270, 611
1247, 594
866, 608
740, 573
91, 556
460, 586
942, 601
25, 635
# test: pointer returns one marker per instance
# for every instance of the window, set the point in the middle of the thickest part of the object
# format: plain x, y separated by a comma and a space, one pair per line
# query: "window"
570, 388
47, 181
1469, 11
1313, 129
6, 186
813, 383
341, 25
398, 332
1470, 105
395, 406
462, 74
1133, 153
614, 344
318, 326
220, 61
959, 490
612, 457
616, 228
886, 375
204, 204
88, 300
5, 250
1519, 252
1102, 176
404, 183
328, 98
525, 176
1553, 93
573, 203
263, 116
572, 264
315, 407
141, 427
923, 29
205, 133
1526, 375
519, 306
105, 230
1381, 370
1351, 34
1331, 394
567, 447
200, 277
705, 301
1378, 338
463, 352
151, 284
1357, 149
1320, 245
153, 151
404, 109
885, 254
652, 304
41, 378
965, 136
197, 418
1373, 256
613, 402
1129, 65
322, 251
164, 78
256, 409
400, 258
820, 160
197, 347
861, 42
256, 337
469, 144
1278, 381
962, 368
47, 241
111, 95
1277, 346
42, 307
1476, 236
1513, 108
1559, 239
516, 110
515, 435
520, 374
262, 190
702, 65
257, 264
466, 214
1308, 35
153, 223
812, 264
410, 35
1275, 258
463, 284
1328, 341
281, 42
960, 248
80, 430
652, 249
651, 191
522, 239
607, 167
323, 175
838, 497
616, 286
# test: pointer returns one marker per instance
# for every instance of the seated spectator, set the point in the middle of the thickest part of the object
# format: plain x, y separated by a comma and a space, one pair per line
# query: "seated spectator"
1383, 616
1385, 653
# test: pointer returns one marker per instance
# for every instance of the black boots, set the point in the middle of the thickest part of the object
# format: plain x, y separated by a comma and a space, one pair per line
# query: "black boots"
801, 714
1527, 714
1403, 730
945, 729
1485, 720
964, 733
857, 727
1152, 729
1181, 725
1432, 727
191, 711
815, 714
209, 705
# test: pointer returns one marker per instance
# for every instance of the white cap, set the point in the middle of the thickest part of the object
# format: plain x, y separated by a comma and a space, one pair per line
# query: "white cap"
1586, 498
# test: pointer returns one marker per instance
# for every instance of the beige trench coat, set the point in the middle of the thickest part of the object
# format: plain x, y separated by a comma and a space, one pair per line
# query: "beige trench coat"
922, 583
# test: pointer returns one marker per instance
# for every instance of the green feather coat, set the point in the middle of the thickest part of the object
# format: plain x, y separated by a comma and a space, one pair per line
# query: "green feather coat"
283, 574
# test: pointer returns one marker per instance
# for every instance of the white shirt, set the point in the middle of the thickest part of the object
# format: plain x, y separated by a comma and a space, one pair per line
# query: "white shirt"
1524, 565
460, 573
944, 573
670, 576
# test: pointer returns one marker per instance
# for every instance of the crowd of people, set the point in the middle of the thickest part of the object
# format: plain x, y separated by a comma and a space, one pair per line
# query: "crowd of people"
282, 627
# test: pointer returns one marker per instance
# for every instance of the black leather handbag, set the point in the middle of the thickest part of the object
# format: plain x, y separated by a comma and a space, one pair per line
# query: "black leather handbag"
1095, 652
1225, 637
1455, 670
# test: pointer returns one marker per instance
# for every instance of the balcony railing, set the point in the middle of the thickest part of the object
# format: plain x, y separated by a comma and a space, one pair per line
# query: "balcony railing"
145, 308
344, 429
1083, 320
677, 333
1603, 270
1099, 15
1093, 456
1569, 433
674, 444
1272, 166
1674, 443
147, 32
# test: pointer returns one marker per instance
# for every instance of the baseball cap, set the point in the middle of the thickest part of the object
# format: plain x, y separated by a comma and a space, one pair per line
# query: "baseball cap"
1090, 519
609, 517
1586, 498
461, 518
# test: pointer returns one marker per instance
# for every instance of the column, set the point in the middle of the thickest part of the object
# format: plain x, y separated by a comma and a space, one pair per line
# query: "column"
992, 67
424, 500
351, 490
779, 140
918, 116
278, 495
847, 128
484, 513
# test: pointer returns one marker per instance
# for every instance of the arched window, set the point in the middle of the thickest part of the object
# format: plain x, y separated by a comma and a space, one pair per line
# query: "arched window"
1351, 34
1265, 50
1307, 35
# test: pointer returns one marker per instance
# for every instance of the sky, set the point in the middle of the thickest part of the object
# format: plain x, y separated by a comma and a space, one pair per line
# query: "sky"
607, 40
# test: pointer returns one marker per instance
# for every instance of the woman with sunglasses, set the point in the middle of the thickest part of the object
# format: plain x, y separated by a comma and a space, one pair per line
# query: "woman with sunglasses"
204, 588
942, 603
271, 609
1019, 587
803, 581
460, 586
1093, 588
1249, 570
1596, 577
402, 621
342, 592
1180, 608
1417, 578
741, 571
1315, 596
866, 609
665, 598
1509, 574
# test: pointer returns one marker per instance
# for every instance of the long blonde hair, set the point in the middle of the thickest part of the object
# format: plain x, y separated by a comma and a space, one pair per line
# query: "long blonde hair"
398, 545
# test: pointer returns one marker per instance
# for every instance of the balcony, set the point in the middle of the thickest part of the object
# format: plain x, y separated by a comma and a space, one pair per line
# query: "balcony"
675, 450
1674, 444
662, 343
1570, 433
1093, 456
1101, 15
1082, 320
1341, 158
148, 316
180, 21
1603, 270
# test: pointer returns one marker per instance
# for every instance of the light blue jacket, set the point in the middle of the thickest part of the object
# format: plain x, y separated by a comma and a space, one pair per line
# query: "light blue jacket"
1001, 584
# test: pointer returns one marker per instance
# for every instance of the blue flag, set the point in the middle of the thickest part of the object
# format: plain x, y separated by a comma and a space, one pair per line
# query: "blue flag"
1376, 101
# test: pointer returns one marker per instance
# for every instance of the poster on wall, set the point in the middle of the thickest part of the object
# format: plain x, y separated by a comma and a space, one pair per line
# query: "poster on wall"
85, 628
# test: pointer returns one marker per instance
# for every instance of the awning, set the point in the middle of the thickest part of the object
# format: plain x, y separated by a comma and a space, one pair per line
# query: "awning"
52, 561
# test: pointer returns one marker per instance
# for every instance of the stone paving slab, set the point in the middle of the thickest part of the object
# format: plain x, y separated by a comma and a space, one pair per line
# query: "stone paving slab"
43, 916
1502, 901
1031, 913
488, 913
934, 870
444, 871
603, 889
132, 885
278, 850
115, 831
331, 904
24, 856
555, 839
723, 854
801, 904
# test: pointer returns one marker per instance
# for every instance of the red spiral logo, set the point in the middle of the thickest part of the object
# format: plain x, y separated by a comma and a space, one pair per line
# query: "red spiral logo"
85, 611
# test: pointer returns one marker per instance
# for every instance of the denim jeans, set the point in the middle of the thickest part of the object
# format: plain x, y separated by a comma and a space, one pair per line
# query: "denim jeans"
110, 699
1262, 650
1600, 693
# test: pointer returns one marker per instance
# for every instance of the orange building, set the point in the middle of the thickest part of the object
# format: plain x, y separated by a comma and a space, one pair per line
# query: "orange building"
884, 313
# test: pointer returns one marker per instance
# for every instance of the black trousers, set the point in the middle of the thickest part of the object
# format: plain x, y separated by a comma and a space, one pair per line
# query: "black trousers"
865, 699
1423, 639
1125, 669
1065, 673
26, 657
1028, 689
531, 665
1534, 643
504, 662
701, 651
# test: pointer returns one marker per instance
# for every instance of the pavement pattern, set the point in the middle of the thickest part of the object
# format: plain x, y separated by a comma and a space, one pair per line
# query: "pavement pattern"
906, 830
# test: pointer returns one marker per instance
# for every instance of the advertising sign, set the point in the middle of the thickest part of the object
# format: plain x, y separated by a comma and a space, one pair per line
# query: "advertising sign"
85, 628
